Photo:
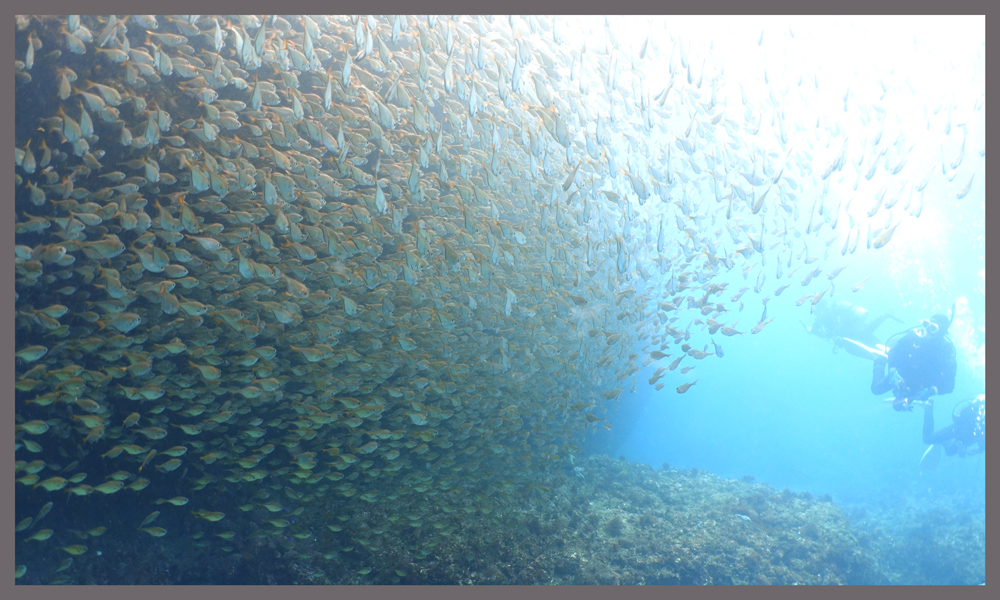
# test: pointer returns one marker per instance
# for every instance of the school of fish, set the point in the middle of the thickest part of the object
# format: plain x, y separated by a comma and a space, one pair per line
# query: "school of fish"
309, 264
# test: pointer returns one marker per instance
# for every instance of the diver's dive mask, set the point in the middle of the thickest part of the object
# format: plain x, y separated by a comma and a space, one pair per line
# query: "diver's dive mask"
928, 328
936, 326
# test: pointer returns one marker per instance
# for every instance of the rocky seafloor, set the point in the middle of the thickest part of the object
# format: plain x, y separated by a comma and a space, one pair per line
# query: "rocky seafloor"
939, 541
600, 521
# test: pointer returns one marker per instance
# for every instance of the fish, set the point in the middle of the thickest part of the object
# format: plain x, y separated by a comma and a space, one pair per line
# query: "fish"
31, 353
208, 515
685, 387
36, 427
176, 501
109, 487
52, 484
964, 190
41, 535
857, 286
44, 510
349, 236
883, 238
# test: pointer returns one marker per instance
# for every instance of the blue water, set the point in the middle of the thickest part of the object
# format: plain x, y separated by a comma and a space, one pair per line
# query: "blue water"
781, 405
784, 407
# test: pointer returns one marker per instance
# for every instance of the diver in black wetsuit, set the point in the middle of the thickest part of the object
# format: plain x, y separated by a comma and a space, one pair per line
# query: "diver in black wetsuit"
966, 435
920, 365
835, 321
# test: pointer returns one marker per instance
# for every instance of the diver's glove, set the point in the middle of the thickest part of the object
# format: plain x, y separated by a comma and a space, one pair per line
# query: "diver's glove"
878, 368
960, 449
907, 403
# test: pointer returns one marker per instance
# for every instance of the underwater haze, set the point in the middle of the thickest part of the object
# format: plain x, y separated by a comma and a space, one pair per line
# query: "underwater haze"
788, 407
322, 299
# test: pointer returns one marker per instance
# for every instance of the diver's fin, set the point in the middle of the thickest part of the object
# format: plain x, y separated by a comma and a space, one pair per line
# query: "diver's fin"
932, 456
860, 350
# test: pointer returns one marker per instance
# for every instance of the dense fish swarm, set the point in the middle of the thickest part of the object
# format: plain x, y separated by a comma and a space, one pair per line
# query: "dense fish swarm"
311, 266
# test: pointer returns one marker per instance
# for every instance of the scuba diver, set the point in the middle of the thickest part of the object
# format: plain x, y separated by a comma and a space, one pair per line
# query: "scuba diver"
965, 436
921, 365
836, 321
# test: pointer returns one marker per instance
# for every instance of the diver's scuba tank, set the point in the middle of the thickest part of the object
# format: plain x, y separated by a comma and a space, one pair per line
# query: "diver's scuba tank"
973, 411
892, 337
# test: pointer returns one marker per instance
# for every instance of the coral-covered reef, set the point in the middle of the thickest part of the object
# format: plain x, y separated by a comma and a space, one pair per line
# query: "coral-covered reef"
596, 521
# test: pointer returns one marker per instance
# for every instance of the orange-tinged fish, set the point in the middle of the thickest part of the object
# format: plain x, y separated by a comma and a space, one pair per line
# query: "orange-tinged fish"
884, 237
153, 433
685, 387
146, 460
760, 326
208, 515
52, 484
41, 536
818, 297
109, 487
